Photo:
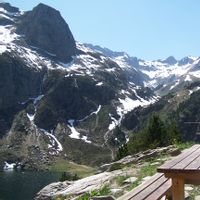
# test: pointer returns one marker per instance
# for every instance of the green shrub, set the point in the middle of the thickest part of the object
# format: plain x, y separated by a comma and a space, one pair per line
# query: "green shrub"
115, 166
156, 134
122, 151
120, 180
68, 176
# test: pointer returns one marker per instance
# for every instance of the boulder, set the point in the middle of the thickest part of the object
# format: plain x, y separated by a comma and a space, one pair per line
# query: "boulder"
78, 187
130, 180
174, 151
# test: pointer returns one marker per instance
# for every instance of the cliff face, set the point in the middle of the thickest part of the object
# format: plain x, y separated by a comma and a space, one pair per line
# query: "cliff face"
44, 27
17, 84
17, 81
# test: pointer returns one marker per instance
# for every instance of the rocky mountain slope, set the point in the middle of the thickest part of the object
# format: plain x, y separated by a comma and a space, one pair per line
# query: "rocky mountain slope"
61, 98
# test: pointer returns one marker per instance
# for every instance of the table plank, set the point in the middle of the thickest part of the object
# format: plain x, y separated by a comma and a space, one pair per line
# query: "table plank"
187, 160
194, 165
175, 161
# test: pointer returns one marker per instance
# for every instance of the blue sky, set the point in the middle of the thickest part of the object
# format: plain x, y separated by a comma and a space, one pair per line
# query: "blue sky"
148, 29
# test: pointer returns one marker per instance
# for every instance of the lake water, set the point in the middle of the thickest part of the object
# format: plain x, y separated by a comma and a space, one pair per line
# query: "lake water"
17, 185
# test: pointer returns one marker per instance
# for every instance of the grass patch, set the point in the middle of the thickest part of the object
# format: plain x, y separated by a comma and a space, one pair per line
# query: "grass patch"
105, 190
184, 145
120, 180
148, 170
195, 192
60, 197
61, 165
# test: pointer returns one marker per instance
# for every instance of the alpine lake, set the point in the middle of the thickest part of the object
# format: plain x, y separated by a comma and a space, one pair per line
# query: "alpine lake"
24, 185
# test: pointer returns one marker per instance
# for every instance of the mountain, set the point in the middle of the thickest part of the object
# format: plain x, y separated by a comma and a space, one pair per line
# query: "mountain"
162, 75
44, 27
60, 98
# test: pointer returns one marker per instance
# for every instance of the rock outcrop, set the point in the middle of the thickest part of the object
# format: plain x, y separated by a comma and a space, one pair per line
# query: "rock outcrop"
9, 8
133, 159
78, 187
44, 27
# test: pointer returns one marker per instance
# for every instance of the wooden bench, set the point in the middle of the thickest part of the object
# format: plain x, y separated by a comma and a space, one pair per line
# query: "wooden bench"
153, 189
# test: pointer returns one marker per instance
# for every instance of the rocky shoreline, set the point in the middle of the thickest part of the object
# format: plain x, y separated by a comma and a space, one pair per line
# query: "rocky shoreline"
73, 189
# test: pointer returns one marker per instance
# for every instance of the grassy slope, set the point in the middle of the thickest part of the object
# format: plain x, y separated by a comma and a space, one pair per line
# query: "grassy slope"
61, 165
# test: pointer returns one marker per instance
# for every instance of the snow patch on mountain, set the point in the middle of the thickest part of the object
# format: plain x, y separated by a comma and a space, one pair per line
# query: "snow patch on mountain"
8, 166
194, 90
195, 74
54, 146
74, 133
99, 84
188, 78
114, 123
5, 16
173, 86
31, 117
7, 37
11, 14
128, 104
165, 73
121, 61
92, 113
85, 139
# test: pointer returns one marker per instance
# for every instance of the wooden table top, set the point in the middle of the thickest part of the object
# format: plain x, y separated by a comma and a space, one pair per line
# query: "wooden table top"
186, 162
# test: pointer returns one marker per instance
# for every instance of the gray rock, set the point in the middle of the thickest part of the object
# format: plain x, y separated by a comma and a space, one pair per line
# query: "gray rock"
197, 197
155, 163
188, 188
187, 195
130, 180
116, 190
9, 8
78, 187
174, 152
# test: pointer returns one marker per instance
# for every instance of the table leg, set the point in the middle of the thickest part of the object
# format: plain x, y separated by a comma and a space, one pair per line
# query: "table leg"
178, 189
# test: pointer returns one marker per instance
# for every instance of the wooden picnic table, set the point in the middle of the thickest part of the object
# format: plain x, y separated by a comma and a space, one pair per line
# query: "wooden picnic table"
183, 169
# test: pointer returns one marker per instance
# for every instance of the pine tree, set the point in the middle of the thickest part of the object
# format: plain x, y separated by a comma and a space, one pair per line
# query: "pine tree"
174, 133
156, 132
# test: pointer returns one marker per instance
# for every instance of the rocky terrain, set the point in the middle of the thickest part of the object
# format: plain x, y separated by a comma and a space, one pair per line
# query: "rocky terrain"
79, 102
133, 171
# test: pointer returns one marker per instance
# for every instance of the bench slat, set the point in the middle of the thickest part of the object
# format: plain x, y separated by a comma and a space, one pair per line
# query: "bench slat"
161, 191
158, 186
149, 190
141, 187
